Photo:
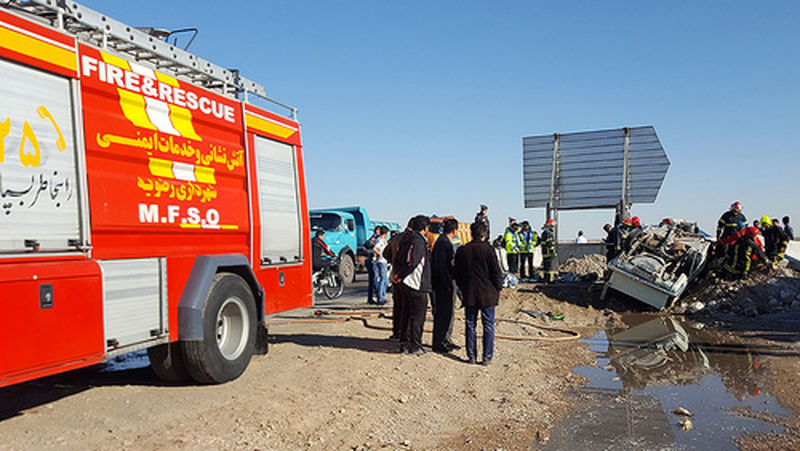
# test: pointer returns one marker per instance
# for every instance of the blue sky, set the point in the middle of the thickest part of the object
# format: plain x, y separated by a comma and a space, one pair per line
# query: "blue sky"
420, 107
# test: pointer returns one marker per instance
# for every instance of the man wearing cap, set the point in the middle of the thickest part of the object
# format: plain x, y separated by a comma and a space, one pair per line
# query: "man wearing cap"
512, 243
483, 218
548, 243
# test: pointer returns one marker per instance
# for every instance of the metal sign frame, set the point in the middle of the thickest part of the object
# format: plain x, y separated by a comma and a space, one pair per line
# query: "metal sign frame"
606, 168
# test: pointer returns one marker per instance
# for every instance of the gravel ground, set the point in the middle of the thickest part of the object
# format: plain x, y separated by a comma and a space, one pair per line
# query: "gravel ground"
341, 385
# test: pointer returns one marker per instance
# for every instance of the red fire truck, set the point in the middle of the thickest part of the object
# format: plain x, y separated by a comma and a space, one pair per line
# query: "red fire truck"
145, 203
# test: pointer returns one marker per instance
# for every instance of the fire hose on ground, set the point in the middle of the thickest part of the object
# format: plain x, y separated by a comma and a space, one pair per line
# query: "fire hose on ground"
365, 315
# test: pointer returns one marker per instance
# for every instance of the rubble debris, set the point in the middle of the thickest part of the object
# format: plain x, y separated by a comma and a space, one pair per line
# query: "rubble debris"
765, 290
588, 267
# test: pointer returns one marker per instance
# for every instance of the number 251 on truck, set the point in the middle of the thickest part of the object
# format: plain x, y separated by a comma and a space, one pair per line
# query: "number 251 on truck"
144, 202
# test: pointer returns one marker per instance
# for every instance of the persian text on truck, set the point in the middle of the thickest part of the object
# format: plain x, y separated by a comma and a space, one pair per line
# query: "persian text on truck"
144, 202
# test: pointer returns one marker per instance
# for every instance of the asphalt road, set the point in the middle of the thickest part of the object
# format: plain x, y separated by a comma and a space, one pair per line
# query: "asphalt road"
354, 296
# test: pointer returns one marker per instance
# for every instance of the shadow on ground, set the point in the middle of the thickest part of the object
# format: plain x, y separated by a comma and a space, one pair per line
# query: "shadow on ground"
338, 342
29, 395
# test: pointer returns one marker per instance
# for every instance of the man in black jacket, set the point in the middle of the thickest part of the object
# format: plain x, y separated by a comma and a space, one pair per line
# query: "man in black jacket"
775, 241
320, 251
610, 241
412, 278
480, 280
442, 260
398, 303
483, 218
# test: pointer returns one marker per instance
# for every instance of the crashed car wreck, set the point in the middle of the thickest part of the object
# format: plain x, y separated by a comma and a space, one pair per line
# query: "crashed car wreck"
658, 263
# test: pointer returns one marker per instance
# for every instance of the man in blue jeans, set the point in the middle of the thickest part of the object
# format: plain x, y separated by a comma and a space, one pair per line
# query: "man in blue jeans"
369, 263
480, 280
380, 265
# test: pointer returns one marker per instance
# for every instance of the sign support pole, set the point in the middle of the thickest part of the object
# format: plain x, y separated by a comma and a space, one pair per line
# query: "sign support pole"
626, 161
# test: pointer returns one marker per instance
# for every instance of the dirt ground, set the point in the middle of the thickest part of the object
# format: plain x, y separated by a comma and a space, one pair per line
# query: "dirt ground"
341, 385
333, 385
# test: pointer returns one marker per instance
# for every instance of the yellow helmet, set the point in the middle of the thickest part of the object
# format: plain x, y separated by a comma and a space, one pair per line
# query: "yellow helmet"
766, 221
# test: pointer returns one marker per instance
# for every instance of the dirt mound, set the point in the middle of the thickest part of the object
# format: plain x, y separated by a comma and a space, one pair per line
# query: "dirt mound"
765, 290
586, 266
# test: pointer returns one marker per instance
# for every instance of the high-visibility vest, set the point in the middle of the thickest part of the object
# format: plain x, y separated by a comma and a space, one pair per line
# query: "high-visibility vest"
528, 240
512, 241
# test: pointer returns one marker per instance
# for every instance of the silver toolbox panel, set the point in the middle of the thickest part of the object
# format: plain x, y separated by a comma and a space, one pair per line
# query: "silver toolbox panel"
133, 300
38, 175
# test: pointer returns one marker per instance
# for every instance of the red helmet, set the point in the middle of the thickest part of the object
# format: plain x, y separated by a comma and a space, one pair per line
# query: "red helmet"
751, 232
550, 222
636, 221
627, 221
736, 206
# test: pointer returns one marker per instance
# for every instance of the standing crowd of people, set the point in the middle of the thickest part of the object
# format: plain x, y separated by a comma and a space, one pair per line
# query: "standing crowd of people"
740, 245
445, 273
471, 271
519, 242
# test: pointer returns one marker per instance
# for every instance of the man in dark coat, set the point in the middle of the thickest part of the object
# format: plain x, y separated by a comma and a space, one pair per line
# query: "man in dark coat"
398, 303
483, 218
610, 241
442, 269
480, 280
775, 240
412, 276
320, 252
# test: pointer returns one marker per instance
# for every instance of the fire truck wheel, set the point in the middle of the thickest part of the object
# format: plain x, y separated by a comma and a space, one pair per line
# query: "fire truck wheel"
229, 332
167, 362
347, 269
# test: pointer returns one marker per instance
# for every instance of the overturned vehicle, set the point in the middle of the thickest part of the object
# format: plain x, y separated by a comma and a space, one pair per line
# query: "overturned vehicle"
658, 263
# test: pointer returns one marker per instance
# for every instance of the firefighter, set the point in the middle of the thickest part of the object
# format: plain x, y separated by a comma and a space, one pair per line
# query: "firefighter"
635, 231
729, 223
548, 243
623, 233
512, 243
741, 254
775, 239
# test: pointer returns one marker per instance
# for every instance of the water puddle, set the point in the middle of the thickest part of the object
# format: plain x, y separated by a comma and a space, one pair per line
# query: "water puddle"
655, 366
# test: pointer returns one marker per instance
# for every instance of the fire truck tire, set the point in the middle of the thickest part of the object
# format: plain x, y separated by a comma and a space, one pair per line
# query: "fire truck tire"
229, 332
347, 269
167, 362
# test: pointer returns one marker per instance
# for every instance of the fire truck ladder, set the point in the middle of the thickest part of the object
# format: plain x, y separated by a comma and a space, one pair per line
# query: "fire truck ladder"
104, 32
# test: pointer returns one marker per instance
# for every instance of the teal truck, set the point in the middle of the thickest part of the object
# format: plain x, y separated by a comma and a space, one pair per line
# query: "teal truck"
346, 230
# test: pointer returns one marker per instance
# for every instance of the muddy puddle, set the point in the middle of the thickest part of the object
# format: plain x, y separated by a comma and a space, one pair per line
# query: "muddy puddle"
656, 365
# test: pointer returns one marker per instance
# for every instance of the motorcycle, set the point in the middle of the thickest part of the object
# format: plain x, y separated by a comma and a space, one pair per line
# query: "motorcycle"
327, 281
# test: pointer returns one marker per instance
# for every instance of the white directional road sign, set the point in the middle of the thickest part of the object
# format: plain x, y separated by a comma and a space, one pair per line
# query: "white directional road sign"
595, 169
